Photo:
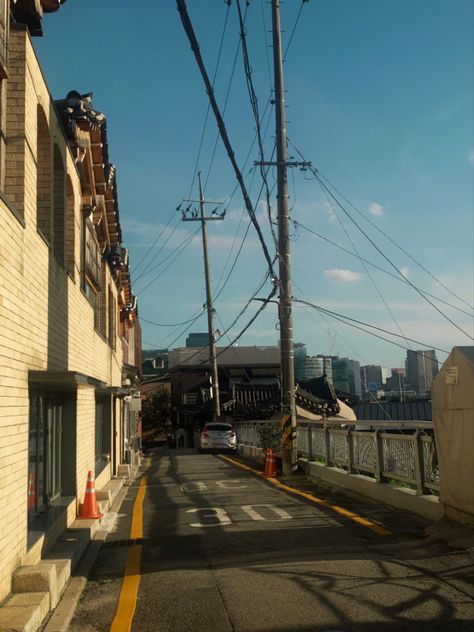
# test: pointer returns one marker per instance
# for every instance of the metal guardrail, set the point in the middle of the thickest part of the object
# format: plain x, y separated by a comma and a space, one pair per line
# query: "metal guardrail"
389, 451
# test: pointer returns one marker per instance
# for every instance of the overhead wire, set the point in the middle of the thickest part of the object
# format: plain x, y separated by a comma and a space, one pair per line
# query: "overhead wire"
147, 270
360, 322
255, 111
178, 250
224, 107
163, 228
379, 250
298, 224
222, 129
382, 232
203, 133
372, 280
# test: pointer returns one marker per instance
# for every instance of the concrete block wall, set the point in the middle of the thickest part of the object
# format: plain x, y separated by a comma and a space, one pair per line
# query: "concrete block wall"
47, 322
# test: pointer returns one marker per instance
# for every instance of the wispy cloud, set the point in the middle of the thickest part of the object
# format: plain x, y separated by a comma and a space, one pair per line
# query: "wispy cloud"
346, 276
405, 271
376, 209
470, 156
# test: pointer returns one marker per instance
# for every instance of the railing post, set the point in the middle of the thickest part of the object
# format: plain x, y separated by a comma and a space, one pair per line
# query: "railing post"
418, 458
310, 443
327, 446
378, 456
350, 444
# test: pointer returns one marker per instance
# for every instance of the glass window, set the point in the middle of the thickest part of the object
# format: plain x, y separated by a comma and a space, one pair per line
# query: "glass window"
44, 451
102, 433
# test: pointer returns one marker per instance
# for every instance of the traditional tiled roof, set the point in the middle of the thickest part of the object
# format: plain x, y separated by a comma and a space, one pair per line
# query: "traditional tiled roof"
398, 411
30, 12
188, 357
85, 127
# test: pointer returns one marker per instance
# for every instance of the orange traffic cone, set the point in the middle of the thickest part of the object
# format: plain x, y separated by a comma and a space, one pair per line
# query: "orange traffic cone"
270, 464
89, 508
31, 492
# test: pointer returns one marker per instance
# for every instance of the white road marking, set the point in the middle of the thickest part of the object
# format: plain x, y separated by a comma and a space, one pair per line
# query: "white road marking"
252, 513
231, 481
216, 513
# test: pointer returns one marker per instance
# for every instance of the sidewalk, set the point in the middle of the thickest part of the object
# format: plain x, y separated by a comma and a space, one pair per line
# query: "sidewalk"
38, 589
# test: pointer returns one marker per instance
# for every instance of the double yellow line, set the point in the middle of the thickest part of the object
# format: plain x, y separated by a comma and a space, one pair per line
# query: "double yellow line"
128, 594
314, 499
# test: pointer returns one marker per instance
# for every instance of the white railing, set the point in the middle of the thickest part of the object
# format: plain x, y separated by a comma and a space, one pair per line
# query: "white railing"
386, 451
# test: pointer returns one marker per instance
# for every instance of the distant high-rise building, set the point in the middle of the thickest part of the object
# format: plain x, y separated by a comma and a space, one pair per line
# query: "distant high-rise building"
346, 375
197, 340
373, 377
316, 366
300, 353
421, 368
396, 383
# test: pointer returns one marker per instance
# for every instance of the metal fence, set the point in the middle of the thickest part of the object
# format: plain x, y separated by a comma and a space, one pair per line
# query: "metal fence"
404, 452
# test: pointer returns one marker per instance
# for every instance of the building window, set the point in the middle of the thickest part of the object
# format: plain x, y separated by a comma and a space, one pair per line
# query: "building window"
112, 318
102, 433
44, 451
70, 237
43, 177
94, 276
59, 205
92, 258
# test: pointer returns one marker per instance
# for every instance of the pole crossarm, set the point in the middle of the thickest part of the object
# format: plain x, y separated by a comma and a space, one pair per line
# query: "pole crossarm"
288, 163
202, 219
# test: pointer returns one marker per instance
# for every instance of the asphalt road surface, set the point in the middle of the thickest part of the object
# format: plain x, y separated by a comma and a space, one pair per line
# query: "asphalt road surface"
223, 549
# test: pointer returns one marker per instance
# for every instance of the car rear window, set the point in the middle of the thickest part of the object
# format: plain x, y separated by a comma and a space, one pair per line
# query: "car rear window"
218, 427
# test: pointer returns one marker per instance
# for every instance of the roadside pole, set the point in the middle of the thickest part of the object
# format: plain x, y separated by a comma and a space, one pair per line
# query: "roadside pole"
288, 420
215, 396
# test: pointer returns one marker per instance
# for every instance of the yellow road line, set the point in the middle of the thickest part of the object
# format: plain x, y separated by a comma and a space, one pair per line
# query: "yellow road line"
128, 594
314, 499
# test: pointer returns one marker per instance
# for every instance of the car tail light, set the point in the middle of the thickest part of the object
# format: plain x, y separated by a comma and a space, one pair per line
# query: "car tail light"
205, 433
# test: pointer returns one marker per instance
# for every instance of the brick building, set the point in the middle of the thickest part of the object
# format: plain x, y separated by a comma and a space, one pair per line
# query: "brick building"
70, 338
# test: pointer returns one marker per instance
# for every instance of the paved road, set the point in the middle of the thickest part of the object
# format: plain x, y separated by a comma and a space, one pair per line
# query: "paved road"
225, 550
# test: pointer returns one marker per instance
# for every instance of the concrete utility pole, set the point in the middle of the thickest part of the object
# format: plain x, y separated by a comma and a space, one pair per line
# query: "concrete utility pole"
210, 309
288, 422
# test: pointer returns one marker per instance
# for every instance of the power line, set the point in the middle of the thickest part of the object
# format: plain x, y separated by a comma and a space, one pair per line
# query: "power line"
346, 212
185, 322
147, 269
196, 166
256, 115
317, 174
163, 228
372, 280
420, 265
222, 129
229, 86
179, 250
360, 322
298, 224
303, 2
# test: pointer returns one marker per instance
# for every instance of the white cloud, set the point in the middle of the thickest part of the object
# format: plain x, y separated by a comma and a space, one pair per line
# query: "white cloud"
375, 209
346, 276
470, 156
405, 271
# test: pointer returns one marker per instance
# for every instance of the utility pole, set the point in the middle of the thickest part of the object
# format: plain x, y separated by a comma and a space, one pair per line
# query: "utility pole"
288, 421
201, 217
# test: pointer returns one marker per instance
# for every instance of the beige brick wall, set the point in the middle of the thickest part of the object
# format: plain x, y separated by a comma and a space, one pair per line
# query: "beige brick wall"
46, 321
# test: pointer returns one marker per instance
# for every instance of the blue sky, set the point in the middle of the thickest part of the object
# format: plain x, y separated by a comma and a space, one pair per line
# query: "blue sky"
380, 99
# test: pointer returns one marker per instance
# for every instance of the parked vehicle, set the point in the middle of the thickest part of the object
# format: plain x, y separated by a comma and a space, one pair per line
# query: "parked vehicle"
217, 436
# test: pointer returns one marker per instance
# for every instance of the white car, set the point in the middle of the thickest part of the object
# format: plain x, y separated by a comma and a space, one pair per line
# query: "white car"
217, 436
